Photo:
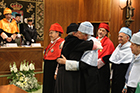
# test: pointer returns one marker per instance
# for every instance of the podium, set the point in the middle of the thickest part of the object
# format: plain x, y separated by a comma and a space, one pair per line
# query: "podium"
17, 55
11, 89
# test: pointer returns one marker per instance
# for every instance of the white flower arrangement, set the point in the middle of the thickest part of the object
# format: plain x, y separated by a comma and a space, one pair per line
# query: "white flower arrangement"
25, 77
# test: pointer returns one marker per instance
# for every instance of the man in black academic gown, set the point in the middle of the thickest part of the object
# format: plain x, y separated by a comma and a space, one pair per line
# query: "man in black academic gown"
19, 24
30, 32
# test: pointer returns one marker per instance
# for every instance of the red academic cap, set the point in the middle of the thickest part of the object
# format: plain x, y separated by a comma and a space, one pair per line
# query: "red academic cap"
105, 26
56, 27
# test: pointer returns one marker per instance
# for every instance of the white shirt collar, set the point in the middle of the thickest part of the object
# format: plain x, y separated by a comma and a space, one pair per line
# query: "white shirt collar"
99, 39
30, 26
9, 20
55, 40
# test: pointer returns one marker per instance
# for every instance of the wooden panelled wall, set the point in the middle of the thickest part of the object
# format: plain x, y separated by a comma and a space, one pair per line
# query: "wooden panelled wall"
67, 11
63, 12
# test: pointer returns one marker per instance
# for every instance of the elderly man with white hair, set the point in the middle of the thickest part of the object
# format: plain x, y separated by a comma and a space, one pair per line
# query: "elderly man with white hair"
121, 58
89, 75
133, 75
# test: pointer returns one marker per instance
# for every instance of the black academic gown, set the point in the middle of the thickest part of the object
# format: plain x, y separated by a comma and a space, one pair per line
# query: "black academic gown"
20, 27
104, 71
0, 31
0, 36
30, 34
73, 49
48, 78
89, 78
4, 40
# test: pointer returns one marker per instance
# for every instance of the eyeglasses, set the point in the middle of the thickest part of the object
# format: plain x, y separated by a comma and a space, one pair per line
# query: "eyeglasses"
122, 36
8, 14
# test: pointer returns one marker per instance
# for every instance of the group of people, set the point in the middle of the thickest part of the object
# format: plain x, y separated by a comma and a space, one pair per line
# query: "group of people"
11, 29
81, 62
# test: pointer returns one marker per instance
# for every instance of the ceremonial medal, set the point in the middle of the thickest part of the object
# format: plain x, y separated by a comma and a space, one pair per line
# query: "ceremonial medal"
51, 46
52, 50
100, 50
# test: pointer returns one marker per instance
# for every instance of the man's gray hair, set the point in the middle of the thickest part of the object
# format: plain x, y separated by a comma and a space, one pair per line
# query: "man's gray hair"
72, 32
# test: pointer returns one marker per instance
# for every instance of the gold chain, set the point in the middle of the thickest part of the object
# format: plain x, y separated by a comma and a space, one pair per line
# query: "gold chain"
50, 47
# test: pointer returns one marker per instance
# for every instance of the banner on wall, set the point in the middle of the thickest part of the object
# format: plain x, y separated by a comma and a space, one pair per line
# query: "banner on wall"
27, 8
17, 10
14, 12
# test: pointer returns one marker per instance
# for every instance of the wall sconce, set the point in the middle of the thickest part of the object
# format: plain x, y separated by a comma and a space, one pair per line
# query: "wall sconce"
129, 13
122, 3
